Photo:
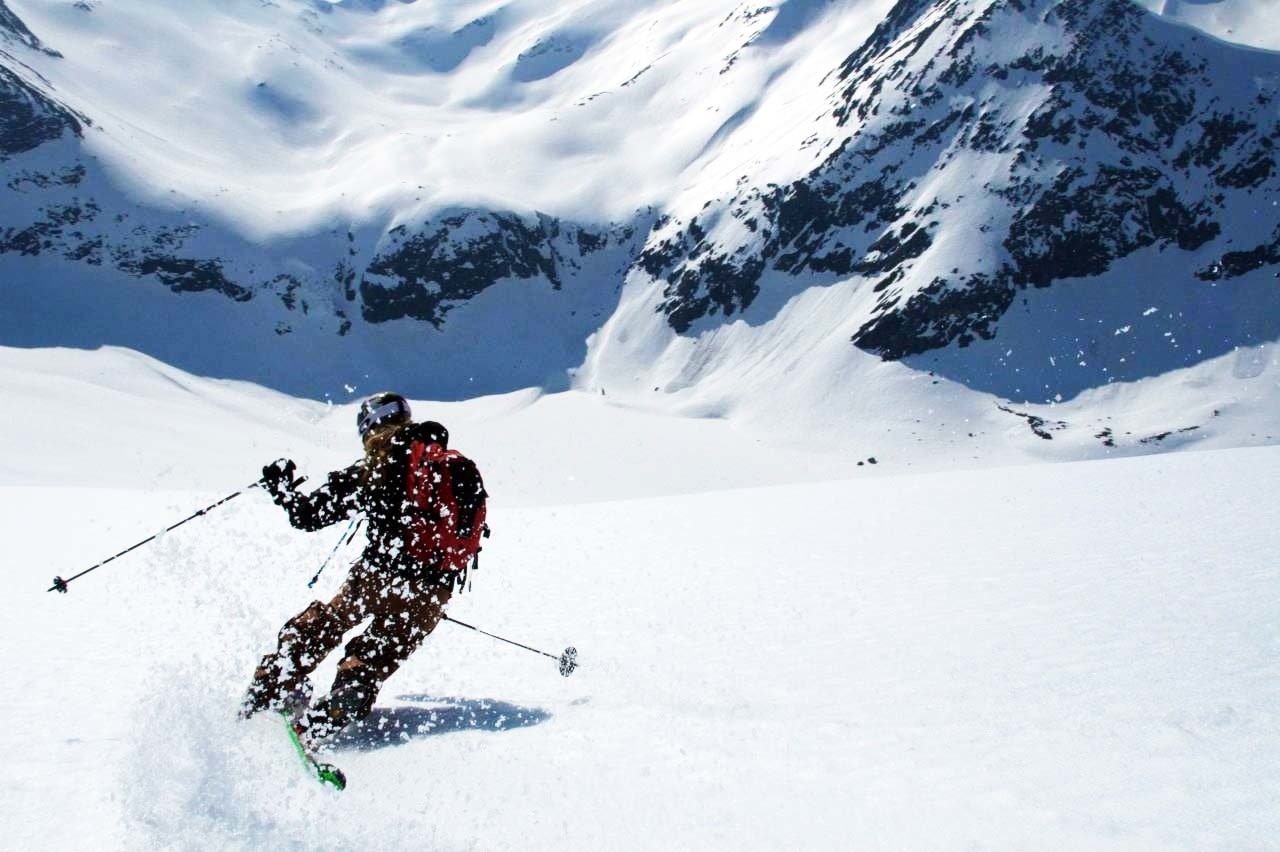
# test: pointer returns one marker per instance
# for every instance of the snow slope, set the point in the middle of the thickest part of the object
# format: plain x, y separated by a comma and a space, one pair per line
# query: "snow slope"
822, 600
286, 115
1252, 22
779, 648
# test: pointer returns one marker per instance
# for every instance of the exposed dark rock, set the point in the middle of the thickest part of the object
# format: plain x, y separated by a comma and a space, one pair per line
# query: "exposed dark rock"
1218, 133
288, 286
29, 118
1236, 263
1155, 439
345, 276
48, 234
182, 274
891, 250
1038, 425
448, 260
1260, 166
716, 286
1076, 229
73, 230
451, 260
940, 313
589, 242
27, 180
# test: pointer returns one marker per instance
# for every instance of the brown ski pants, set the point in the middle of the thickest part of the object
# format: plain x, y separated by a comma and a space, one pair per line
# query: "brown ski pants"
403, 612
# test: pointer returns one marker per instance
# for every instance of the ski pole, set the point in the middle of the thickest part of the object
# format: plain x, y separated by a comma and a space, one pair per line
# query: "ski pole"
345, 538
568, 660
60, 585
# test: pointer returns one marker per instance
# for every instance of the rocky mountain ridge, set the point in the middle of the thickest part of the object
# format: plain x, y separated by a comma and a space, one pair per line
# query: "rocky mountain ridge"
1099, 131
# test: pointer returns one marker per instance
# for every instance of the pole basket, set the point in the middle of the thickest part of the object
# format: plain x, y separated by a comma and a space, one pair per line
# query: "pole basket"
568, 661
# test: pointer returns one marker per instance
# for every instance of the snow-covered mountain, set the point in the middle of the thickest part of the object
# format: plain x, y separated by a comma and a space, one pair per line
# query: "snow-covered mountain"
974, 153
1029, 198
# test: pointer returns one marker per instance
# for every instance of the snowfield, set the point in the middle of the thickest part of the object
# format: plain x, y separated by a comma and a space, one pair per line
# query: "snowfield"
1005, 591
779, 648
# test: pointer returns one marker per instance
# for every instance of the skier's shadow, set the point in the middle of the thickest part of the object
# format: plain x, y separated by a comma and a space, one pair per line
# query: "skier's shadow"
393, 726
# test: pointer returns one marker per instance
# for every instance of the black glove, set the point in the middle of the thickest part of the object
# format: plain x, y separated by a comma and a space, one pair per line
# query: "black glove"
277, 478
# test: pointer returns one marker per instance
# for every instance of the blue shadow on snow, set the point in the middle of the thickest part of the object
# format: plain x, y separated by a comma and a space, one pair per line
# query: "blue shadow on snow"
393, 726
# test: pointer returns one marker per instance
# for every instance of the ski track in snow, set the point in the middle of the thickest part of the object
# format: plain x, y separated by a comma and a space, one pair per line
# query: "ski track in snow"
1077, 655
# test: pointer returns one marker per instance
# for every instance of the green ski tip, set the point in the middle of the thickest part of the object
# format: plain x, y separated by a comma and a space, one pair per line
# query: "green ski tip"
325, 773
331, 775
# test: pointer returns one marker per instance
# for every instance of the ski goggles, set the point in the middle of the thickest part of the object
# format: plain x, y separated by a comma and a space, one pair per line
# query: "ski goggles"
395, 410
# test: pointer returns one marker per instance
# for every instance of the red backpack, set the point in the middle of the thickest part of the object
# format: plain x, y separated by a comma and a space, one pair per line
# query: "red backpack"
447, 487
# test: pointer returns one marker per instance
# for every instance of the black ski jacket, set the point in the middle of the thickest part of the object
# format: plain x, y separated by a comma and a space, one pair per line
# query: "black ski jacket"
382, 495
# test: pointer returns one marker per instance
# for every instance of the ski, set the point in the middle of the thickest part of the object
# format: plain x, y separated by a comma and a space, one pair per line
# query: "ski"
325, 773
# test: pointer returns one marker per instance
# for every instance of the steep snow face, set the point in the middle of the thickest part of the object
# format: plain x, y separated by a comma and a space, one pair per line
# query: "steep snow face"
975, 153
285, 115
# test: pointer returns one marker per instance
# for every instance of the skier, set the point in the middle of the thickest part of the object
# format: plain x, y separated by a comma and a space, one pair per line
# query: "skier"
422, 537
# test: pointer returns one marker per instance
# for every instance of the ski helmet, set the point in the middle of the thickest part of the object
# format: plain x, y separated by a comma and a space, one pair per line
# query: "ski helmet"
381, 409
